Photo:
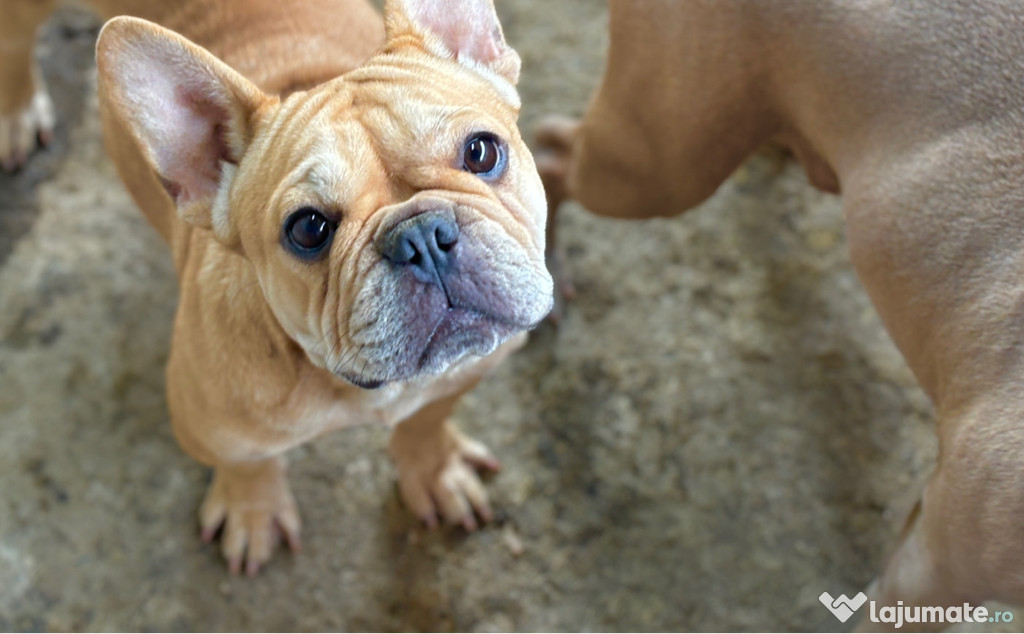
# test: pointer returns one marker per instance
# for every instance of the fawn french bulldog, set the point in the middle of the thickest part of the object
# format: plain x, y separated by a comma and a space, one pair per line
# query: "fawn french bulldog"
357, 227
914, 110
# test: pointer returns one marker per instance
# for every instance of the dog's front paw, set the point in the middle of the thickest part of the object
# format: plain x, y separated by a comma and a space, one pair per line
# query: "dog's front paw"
22, 129
438, 478
253, 504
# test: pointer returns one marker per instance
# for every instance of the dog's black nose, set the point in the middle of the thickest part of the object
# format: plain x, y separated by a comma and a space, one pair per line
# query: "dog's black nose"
425, 243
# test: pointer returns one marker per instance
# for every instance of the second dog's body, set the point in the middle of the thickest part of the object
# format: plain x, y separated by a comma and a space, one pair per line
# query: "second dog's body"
915, 111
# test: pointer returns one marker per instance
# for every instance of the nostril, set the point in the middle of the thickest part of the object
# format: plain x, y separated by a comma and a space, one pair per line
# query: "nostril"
416, 259
443, 242
404, 252
445, 236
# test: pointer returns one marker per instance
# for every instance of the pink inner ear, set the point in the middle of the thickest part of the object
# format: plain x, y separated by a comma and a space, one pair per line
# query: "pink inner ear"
190, 159
465, 41
181, 115
468, 28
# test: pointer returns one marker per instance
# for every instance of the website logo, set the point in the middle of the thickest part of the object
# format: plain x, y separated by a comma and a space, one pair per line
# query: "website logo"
843, 607
899, 615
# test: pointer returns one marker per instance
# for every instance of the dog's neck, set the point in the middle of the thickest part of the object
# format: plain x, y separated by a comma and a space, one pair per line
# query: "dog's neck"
281, 45
236, 295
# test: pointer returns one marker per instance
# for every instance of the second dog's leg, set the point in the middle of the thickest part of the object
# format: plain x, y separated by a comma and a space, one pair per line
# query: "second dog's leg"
963, 542
26, 112
914, 575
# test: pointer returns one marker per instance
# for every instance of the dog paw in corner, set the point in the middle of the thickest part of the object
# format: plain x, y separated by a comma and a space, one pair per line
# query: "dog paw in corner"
22, 129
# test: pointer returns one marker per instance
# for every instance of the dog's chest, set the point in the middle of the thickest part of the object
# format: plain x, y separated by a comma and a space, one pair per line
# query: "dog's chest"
320, 403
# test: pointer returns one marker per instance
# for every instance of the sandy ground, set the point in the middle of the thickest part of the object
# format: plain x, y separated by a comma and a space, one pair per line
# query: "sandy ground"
719, 431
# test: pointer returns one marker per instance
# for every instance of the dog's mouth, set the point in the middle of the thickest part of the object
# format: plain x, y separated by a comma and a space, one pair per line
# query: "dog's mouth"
366, 384
464, 331
458, 333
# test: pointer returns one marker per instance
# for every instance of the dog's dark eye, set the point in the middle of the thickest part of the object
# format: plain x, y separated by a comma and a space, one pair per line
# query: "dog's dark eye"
484, 156
307, 231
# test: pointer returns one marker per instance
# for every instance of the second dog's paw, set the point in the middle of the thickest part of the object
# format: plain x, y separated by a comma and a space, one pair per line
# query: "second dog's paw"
554, 138
443, 483
565, 290
20, 131
255, 508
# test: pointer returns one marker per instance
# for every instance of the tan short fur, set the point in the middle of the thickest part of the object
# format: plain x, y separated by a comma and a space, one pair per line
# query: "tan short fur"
308, 104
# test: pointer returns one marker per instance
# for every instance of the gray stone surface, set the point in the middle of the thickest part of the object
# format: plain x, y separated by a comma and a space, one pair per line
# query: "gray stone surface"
719, 431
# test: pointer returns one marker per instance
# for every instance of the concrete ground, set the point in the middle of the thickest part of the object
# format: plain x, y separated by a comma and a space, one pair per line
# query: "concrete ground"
718, 432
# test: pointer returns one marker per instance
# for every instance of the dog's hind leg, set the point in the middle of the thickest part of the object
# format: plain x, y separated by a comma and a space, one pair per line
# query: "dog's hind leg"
914, 575
962, 543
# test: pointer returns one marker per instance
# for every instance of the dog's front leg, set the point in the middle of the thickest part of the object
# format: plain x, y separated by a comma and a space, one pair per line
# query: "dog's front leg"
26, 112
437, 467
253, 503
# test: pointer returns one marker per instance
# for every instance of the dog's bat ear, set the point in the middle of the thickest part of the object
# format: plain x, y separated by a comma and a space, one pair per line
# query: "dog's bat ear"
190, 112
467, 30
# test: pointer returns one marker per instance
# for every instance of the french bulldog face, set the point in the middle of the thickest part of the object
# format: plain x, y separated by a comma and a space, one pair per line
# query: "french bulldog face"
394, 215
406, 227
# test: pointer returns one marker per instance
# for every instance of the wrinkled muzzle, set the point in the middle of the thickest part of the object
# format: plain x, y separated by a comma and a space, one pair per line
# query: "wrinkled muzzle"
449, 282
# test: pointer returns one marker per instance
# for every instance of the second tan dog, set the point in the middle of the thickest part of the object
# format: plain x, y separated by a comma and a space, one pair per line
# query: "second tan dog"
357, 226
915, 111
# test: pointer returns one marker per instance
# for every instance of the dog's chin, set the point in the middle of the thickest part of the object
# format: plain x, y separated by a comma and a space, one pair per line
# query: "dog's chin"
459, 333
462, 332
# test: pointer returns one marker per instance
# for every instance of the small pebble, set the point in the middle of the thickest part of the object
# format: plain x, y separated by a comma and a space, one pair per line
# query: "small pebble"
512, 540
